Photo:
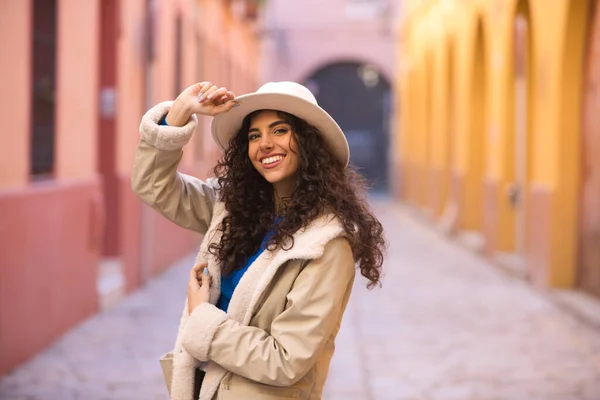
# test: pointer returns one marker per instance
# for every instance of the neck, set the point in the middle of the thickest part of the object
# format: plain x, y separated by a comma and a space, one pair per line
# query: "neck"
281, 191
279, 198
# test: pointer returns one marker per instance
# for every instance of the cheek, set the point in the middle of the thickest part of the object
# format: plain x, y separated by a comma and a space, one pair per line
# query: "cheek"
295, 152
251, 151
293, 145
295, 161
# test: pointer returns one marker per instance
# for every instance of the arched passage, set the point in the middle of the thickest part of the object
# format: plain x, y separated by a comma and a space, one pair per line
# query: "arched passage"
358, 97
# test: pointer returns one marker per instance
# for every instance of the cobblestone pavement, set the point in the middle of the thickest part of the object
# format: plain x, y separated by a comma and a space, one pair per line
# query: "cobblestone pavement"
445, 326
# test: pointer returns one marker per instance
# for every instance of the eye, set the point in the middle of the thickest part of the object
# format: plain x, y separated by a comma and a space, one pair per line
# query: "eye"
253, 136
281, 131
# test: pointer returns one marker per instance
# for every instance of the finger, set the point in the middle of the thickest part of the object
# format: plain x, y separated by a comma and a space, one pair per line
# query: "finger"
205, 281
200, 267
196, 270
200, 88
193, 285
199, 278
226, 106
203, 87
202, 98
227, 97
217, 93
197, 88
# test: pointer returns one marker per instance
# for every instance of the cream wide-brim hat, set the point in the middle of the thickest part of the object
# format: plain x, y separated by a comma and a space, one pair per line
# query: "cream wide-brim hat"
290, 97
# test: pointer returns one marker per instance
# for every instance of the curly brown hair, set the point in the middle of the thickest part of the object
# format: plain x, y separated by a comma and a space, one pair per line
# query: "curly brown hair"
323, 185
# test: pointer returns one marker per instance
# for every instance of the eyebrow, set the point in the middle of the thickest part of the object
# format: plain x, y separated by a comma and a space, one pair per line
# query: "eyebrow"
271, 125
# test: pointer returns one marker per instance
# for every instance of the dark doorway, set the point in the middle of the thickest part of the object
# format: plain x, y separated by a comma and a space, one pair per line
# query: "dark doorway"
358, 97
44, 86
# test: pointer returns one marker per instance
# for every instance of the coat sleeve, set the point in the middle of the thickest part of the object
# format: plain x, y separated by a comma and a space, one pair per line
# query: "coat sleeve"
314, 308
183, 199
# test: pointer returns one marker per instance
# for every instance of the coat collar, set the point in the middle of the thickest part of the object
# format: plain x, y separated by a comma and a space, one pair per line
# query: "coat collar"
309, 243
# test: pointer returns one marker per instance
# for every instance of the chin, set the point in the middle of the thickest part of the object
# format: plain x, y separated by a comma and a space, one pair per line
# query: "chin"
274, 178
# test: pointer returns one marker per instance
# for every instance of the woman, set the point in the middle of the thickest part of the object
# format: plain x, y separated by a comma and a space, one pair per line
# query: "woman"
284, 223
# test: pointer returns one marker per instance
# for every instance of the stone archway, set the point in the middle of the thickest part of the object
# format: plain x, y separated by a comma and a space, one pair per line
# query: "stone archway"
358, 97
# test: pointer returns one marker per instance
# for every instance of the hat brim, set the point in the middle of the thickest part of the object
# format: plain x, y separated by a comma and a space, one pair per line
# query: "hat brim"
226, 125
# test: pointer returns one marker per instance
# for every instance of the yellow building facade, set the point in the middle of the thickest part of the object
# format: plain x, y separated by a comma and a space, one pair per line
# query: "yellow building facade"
497, 132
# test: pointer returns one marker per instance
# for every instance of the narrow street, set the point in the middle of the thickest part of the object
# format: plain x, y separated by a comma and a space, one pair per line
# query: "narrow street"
445, 326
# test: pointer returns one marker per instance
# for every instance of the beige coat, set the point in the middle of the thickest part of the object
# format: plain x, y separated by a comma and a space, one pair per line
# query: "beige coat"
277, 338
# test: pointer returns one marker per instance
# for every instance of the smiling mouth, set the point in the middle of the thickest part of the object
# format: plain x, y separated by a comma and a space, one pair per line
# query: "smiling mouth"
271, 161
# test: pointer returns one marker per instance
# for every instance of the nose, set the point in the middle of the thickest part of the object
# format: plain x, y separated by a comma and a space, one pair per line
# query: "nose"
265, 143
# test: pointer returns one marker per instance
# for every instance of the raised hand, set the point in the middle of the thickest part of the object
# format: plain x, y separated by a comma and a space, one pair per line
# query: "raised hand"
201, 98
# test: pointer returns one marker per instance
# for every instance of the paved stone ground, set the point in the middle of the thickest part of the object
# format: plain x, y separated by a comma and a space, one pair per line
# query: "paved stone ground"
445, 326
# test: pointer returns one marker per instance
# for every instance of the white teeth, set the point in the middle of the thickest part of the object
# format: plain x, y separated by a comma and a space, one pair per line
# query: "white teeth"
271, 160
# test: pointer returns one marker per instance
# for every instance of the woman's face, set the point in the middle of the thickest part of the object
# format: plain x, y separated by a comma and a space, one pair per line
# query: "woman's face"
273, 150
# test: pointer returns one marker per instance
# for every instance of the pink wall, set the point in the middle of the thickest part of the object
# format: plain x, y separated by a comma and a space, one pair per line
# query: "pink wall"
130, 81
305, 36
51, 231
77, 84
49, 245
165, 42
15, 40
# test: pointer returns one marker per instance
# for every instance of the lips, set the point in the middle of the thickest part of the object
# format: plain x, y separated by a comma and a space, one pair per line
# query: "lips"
272, 161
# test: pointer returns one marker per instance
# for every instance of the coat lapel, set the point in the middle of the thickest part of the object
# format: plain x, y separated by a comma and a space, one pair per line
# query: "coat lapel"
184, 365
308, 244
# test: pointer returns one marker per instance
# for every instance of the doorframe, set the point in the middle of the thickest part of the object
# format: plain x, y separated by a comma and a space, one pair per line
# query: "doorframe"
507, 253
472, 151
587, 28
522, 130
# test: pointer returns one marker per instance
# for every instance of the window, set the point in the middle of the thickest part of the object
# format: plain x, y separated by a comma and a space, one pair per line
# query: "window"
43, 88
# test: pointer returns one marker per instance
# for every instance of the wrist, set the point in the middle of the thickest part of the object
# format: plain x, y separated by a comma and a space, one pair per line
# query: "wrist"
178, 115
